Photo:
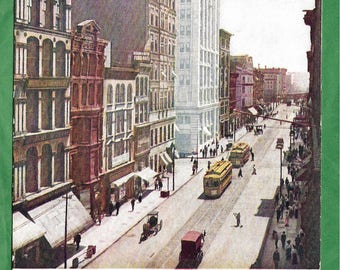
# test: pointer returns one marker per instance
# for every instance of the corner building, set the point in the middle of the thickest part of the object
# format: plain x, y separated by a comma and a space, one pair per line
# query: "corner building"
197, 69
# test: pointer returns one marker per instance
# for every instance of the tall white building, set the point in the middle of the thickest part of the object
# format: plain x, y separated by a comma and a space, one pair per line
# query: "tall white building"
197, 74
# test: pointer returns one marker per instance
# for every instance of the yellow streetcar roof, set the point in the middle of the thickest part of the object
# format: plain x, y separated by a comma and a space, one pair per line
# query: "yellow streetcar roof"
218, 167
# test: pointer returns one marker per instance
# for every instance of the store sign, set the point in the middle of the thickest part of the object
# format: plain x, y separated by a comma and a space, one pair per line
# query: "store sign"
141, 56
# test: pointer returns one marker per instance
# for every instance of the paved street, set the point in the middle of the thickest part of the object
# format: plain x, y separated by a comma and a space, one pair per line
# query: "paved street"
117, 238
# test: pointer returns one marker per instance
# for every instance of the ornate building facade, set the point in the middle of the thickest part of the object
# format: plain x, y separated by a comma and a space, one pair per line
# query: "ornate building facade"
224, 67
87, 114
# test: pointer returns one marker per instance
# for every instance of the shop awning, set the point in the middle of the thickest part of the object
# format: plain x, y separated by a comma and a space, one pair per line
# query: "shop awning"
304, 174
167, 157
25, 231
147, 174
122, 180
252, 110
206, 131
51, 216
161, 155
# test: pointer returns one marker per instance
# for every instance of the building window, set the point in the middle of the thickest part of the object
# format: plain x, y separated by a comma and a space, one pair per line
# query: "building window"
129, 93
47, 58
109, 123
32, 57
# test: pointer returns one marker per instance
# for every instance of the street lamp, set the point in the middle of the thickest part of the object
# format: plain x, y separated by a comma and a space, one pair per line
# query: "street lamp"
279, 145
65, 237
173, 168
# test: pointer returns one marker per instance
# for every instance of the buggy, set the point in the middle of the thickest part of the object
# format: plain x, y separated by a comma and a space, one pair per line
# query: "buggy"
151, 226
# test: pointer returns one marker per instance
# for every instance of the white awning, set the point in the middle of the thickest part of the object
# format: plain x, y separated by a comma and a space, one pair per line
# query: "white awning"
176, 128
206, 131
147, 174
25, 231
176, 154
51, 216
161, 155
253, 110
122, 180
167, 157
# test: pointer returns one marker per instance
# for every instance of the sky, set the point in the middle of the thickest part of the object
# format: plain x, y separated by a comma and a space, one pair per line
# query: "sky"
273, 32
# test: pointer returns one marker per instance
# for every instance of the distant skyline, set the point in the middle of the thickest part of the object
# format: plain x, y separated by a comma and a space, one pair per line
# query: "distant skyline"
273, 32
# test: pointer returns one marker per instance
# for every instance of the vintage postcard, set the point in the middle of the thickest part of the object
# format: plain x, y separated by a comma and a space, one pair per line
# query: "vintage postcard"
166, 134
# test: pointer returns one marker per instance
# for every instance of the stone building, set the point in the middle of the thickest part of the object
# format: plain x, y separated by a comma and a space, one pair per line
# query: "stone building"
274, 84
241, 67
224, 80
87, 114
41, 132
197, 70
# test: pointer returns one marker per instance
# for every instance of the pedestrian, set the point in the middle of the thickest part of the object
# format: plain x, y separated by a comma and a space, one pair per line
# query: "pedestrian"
140, 197
276, 199
287, 219
288, 168
160, 184
294, 255
254, 170
287, 184
193, 169
288, 251
297, 240
301, 233
301, 252
117, 207
211, 152
281, 185
192, 158
209, 162
111, 208
252, 155
156, 183
221, 149
283, 239
297, 206
133, 204
276, 238
278, 214
238, 218
240, 173
76, 240
276, 258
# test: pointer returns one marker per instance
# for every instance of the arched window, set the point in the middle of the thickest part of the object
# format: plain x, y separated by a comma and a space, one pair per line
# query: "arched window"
93, 65
137, 86
47, 58
91, 94
60, 59
46, 166
46, 110
122, 93
59, 169
117, 93
49, 14
84, 64
129, 92
83, 94
145, 91
32, 57
34, 12
141, 88
99, 94
75, 97
60, 108
109, 94
76, 63
32, 110
31, 181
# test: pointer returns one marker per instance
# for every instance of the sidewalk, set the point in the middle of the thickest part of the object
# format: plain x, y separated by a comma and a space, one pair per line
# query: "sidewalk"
113, 227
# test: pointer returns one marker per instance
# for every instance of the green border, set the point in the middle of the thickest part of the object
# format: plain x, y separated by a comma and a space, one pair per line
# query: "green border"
330, 136
6, 78
330, 133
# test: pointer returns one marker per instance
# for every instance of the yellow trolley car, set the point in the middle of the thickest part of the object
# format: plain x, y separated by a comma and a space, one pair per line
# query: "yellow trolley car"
217, 178
239, 154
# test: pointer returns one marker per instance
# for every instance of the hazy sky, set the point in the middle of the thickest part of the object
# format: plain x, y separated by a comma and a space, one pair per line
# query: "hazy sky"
271, 31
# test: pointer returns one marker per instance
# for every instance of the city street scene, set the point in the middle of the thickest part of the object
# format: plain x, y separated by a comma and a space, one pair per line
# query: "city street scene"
166, 134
